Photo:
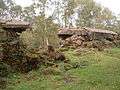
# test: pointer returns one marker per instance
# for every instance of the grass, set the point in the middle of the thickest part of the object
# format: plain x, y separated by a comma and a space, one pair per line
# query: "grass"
96, 71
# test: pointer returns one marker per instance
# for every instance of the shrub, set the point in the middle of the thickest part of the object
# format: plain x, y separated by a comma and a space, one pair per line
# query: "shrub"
4, 71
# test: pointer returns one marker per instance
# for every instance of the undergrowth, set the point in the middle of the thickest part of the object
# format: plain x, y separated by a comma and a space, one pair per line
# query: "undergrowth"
91, 70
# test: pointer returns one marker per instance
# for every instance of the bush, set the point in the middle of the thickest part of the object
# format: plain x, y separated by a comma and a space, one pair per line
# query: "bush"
4, 71
3, 83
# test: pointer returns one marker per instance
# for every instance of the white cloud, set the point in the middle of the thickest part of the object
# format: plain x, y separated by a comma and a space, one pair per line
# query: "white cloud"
113, 5
23, 3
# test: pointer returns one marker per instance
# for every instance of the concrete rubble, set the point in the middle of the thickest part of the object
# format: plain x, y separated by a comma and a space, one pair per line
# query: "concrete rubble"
88, 38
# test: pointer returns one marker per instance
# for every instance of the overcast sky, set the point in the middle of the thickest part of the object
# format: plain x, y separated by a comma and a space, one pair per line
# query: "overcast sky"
114, 5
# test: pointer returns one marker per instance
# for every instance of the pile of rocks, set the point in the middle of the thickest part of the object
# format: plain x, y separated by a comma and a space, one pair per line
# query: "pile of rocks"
75, 40
88, 37
81, 41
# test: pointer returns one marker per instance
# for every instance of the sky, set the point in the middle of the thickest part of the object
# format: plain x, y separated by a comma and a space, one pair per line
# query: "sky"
113, 5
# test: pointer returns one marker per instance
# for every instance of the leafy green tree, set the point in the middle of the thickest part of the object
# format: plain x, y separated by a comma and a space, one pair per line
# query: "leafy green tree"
68, 11
41, 35
57, 12
2, 8
42, 5
87, 13
16, 11
37, 37
9, 10
29, 13
91, 14
2, 4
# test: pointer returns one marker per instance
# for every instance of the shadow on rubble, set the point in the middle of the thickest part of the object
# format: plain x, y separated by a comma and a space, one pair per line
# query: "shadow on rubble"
28, 60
